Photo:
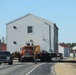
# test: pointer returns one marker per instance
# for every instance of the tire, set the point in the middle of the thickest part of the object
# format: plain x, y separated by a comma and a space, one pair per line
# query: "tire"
22, 60
43, 59
0, 63
19, 59
32, 60
49, 59
61, 57
11, 62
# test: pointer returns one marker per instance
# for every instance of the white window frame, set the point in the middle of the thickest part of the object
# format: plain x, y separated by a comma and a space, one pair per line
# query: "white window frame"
29, 30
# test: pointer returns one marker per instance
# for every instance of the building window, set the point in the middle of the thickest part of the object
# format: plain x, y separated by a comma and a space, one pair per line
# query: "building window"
28, 44
29, 29
14, 42
32, 44
14, 27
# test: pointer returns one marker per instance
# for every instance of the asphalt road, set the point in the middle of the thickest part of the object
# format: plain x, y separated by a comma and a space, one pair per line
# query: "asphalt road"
27, 69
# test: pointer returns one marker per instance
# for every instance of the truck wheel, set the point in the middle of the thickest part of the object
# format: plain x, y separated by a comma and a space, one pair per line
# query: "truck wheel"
32, 59
61, 57
19, 59
0, 63
22, 60
49, 59
10, 63
43, 59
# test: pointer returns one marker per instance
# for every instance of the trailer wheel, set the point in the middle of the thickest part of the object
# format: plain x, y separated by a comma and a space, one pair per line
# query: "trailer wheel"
22, 60
49, 59
10, 63
19, 59
0, 63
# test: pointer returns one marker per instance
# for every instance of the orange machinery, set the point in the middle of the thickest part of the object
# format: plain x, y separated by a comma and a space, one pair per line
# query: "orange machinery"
28, 53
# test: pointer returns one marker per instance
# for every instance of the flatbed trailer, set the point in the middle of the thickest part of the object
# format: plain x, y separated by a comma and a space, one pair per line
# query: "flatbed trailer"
59, 55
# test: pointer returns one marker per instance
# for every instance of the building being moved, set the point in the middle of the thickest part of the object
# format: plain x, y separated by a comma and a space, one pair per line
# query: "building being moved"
31, 29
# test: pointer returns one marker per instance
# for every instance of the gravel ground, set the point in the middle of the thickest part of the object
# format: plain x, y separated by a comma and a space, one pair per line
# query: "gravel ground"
65, 69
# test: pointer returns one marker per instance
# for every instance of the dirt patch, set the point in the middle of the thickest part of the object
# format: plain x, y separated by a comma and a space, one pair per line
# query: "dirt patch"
73, 65
65, 69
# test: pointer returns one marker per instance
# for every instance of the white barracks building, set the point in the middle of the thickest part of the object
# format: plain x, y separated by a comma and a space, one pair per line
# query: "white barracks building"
32, 30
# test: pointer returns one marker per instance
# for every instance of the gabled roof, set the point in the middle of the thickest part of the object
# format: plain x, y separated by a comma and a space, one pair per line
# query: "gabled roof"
63, 45
27, 16
34, 16
18, 19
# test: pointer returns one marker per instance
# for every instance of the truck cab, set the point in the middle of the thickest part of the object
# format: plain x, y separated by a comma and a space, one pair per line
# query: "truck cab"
27, 53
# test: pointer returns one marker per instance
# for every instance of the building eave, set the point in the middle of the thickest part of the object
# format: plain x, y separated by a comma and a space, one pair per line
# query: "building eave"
17, 19
45, 20
56, 26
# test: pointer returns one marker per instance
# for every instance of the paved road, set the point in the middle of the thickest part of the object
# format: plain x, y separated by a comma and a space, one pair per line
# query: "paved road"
44, 69
27, 69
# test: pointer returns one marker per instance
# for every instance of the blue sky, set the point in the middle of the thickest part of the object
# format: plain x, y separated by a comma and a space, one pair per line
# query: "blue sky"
62, 12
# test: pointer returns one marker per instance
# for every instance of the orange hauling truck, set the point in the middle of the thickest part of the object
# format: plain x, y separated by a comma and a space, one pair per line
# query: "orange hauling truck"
28, 53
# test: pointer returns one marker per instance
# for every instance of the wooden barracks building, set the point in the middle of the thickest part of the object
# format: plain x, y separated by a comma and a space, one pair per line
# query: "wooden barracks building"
32, 30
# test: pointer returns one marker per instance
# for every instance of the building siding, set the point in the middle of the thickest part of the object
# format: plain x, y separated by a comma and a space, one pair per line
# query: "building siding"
40, 34
64, 50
